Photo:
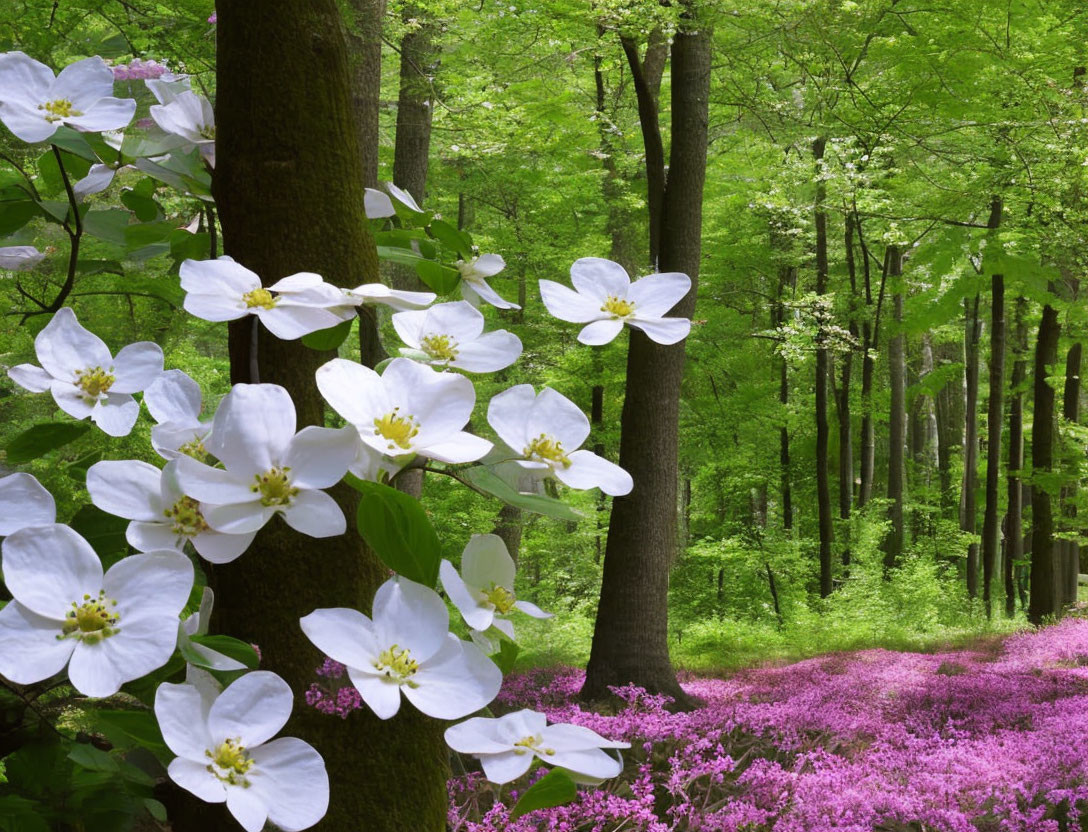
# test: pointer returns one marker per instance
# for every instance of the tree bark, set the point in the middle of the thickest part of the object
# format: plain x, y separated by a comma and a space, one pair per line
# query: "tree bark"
897, 417
823, 485
1014, 530
991, 531
290, 198
1045, 600
1070, 549
630, 638
418, 63
968, 508
787, 280
846, 432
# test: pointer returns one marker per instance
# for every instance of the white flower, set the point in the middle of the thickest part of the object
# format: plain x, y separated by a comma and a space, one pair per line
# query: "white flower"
20, 258
607, 299
378, 205
268, 468
34, 103
507, 746
484, 591
547, 429
174, 402
197, 625
379, 293
225, 754
162, 516
109, 629
84, 378
409, 409
408, 648
452, 335
222, 290
24, 502
190, 116
168, 86
474, 285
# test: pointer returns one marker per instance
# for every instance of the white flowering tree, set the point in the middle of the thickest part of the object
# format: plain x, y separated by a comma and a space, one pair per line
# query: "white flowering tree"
283, 496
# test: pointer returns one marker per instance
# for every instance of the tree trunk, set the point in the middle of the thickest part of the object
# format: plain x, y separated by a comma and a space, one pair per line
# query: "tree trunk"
1070, 549
630, 638
846, 433
897, 417
1014, 529
787, 280
284, 67
823, 485
1045, 600
509, 528
991, 531
418, 62
968, 511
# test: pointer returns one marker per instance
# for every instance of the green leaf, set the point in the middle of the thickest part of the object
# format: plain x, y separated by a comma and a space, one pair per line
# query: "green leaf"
328, 339
108, 225
78, 470
187, 246
86, 755
397, 528
75, 143
507, 655
231, 647
443, 279
103, 531
20, 814
145, 208
132, 729
147, 233
452, 239
155, 809
553, 789
41, 439
403, 256
14, 214
50, 180
487, 480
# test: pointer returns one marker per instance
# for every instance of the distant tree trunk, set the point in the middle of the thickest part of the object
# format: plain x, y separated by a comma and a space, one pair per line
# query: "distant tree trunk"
418, 62
897, 417
509, 528
596, 421
283, 66
1070, 549
823, 485
968, 511
630, 638
991, 530
870, 341
1045, 600
948, 403
787, 280
1014, 530
846, 433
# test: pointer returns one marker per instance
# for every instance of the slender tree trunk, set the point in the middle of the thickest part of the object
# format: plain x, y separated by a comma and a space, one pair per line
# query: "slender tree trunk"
1045, 600
284, 66
897, 417
1014, 529
787, 280
991, 531
418, 63
846, 433
870, 340
509, 528
823, 485
968, 510
630, 638
1070, 549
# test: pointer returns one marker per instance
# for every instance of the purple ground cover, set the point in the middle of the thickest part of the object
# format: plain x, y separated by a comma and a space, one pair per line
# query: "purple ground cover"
993, 738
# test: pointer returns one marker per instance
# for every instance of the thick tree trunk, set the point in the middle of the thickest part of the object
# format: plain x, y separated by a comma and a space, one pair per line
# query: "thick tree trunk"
1070, 549
968, 499
630, 638
823, 485
1014, 528
897, 417
1045, 600
290, 198
508, 526
991, 531
418, 63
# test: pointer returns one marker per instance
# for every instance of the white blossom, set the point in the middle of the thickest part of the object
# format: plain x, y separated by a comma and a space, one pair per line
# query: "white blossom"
474, 285
174, 402
452, 335
20, 258
24, 502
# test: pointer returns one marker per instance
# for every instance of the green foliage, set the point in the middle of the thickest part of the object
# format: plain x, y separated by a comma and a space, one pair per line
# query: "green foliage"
396, 527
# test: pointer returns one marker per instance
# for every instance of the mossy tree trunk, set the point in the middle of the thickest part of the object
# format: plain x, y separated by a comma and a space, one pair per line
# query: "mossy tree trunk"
289, 186
897, 416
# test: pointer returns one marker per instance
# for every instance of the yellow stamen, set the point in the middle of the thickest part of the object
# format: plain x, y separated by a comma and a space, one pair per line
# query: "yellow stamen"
187, 518
499, 597
59, 109
399, 430
94, 381
398, 665
230, 762
532, 744
547, 449
274, 486
618, 308
439, 347
260, 298
91, 621
195, 449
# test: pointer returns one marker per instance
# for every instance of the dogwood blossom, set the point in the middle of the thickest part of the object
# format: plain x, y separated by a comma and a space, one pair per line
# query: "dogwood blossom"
223, 290
24, 502
378, 205
378, 293
268, 468
34, 103
162, 516
174, 402
108, 629
20, 258
547, 429
84, 378
190, 116
452, 335
474, 285
606, 299
226, 754
406, 648
408, 409
484, 591
507, 746
168, 86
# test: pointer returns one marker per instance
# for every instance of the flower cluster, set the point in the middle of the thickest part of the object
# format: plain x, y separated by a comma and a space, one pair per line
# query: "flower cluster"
138, 70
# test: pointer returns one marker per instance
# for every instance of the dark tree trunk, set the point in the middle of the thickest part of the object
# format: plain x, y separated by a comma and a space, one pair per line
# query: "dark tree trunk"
948, 403
508, 526
991, 531
787, 280
897, 417
418, 63
968, 498
1045, 600
1014, 529
630, 638
284, 67
823, 484
1070, 549
846, 432
870, 341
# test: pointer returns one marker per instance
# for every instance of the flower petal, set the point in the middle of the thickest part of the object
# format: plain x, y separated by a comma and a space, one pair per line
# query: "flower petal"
488, 265
254, 709
24, 502
212, 485
353, 391
216, 547
568, 305
29, 648
222, 276
239, 518
460, 447
173, 397
98, 178
30, 377
24, 79
253, 428
587, 470
532, 609
105, 114
503, 768
478, 288
316, 514
486, 561
136, 366
476, 616
194, 777
343, 634
83, 83
46, 568
25, 122
116, 414
288, 322
319, 457
590, 762
655, 294
475, 736
508, 412
292, 782
126, 488
377, 205
663, 330
411, 616
248, 809
598, 278
456, 681
381, 695
150, 585
553, 414
63, 347
152, 536
489, 353
599, 333
19, 258
182, 716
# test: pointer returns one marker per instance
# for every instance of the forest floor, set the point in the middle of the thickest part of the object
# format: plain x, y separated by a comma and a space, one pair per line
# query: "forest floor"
992, 735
